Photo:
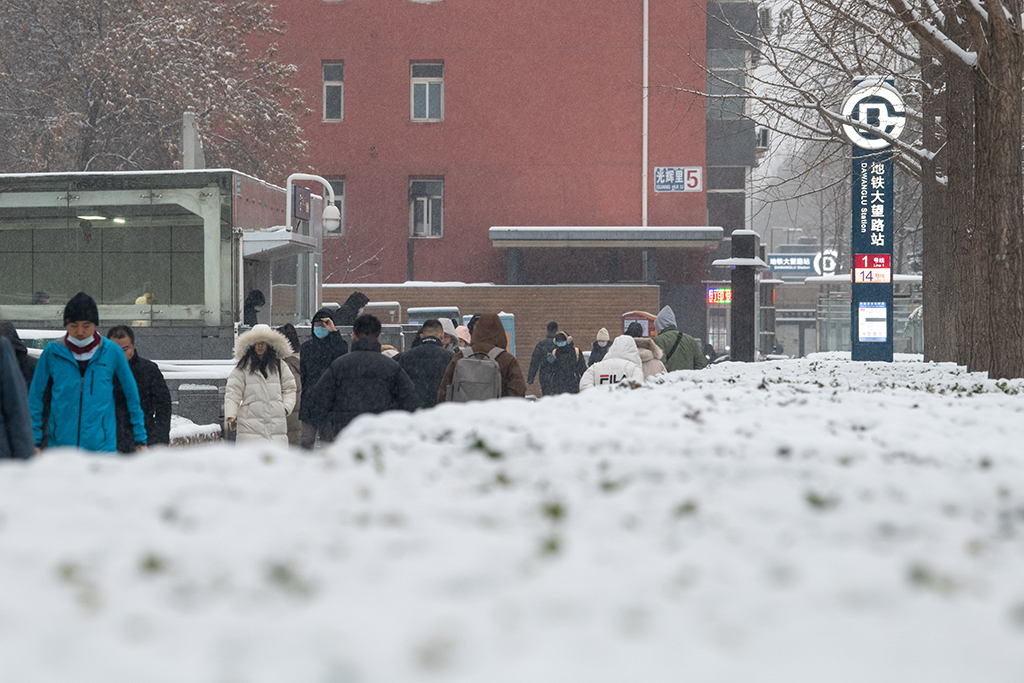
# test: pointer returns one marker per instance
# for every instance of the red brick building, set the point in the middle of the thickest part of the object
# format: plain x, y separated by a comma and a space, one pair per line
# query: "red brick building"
438, 119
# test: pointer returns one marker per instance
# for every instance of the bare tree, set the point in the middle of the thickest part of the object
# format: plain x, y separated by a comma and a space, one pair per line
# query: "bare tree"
91, 85
959, 64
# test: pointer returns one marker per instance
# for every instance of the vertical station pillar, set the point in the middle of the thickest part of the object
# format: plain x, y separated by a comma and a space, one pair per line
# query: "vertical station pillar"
877, 116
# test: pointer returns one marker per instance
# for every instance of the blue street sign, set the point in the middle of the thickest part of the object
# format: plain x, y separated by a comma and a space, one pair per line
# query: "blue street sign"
876, 115
872, 313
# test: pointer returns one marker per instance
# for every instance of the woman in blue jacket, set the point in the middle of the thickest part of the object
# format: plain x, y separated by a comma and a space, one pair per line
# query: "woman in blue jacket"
79, 370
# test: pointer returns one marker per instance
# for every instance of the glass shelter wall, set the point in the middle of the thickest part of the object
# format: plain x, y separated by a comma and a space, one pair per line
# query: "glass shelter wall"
135, 261
151, 249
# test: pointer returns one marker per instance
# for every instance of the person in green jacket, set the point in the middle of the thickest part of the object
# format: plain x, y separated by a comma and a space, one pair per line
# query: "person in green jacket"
681, 351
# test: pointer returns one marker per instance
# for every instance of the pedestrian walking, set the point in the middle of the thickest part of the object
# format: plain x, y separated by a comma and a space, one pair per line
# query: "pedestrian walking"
15, 419
363, 380
78, 373
294, 364
449, 337
254, 303
635, 329
600, 348
681, 351
324, 346
621, 364
425, 364
650, 355
541, 360
26, 363
154, 396
488, 334
261, 389
567, 366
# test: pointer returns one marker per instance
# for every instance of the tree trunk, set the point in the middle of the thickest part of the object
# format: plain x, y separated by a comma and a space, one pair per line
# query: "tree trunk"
959, 240
999, 193
937, 292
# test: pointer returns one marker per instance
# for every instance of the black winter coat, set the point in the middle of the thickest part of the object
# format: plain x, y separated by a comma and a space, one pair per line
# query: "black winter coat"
425, 364
155, 400
540, 365
363, 381
349, 311
597, 353
26, 363
315, 356
15, 419
566, 371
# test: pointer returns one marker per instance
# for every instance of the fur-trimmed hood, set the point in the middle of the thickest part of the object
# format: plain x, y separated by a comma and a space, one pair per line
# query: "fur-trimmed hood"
648, 349
263, 333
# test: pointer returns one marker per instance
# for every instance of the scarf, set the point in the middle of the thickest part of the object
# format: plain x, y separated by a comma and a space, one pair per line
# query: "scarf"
83, 350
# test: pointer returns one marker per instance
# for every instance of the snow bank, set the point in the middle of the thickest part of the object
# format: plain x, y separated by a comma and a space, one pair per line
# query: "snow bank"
184, 432
797, 521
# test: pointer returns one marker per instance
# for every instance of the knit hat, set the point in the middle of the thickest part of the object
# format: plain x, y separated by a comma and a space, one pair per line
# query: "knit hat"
602, 334
81, 307
462, 332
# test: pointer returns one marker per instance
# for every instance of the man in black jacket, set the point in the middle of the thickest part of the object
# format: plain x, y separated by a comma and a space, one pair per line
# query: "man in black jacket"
26, 363
364, 380
425, 364
154, 396
15, 420
315, 356
540, 363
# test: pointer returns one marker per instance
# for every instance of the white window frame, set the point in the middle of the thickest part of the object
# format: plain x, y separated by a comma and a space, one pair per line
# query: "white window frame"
428, 202
426, 82
339, 201
333, 84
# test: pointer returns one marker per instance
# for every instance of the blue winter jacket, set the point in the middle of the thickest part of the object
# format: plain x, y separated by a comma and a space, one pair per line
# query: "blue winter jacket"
82, 407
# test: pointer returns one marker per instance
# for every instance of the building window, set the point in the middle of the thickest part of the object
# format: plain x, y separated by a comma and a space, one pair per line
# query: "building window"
338, 185
427, 102
726, 84
426, 208
334, 91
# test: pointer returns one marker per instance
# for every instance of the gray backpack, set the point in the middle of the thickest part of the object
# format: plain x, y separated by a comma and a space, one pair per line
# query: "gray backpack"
477, 376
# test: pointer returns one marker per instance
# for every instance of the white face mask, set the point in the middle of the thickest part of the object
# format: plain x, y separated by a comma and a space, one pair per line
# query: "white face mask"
602, 344
81, 342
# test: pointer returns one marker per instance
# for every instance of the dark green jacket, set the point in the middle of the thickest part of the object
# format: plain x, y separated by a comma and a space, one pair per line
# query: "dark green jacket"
687, 355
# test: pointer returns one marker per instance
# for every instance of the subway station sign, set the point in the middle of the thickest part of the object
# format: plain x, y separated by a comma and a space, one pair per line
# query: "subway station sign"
877, 116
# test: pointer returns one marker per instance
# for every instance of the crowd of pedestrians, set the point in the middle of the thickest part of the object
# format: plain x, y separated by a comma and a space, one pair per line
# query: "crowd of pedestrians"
99, 394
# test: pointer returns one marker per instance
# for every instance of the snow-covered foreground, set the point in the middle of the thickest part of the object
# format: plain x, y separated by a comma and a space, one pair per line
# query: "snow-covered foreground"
793, 521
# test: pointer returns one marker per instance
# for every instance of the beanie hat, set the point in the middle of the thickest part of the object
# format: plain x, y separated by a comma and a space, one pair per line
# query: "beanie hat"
602, 334
462, 332
81, 307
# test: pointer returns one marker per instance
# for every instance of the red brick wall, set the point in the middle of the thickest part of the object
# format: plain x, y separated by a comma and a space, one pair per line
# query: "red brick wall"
580, 310
542, 125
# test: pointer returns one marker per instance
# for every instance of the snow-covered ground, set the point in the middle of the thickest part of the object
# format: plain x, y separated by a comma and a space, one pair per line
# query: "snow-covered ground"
812, 521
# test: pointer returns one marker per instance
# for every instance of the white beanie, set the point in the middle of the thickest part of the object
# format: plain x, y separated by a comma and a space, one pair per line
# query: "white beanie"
602, 334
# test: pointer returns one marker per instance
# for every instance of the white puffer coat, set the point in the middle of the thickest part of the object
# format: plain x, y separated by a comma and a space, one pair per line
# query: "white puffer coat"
260, 405
650, 354
621, 363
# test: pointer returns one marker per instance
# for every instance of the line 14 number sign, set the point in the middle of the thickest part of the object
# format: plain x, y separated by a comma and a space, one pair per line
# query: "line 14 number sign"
872, 268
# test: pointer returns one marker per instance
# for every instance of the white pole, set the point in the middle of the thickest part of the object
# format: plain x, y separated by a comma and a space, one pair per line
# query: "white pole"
647, 55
